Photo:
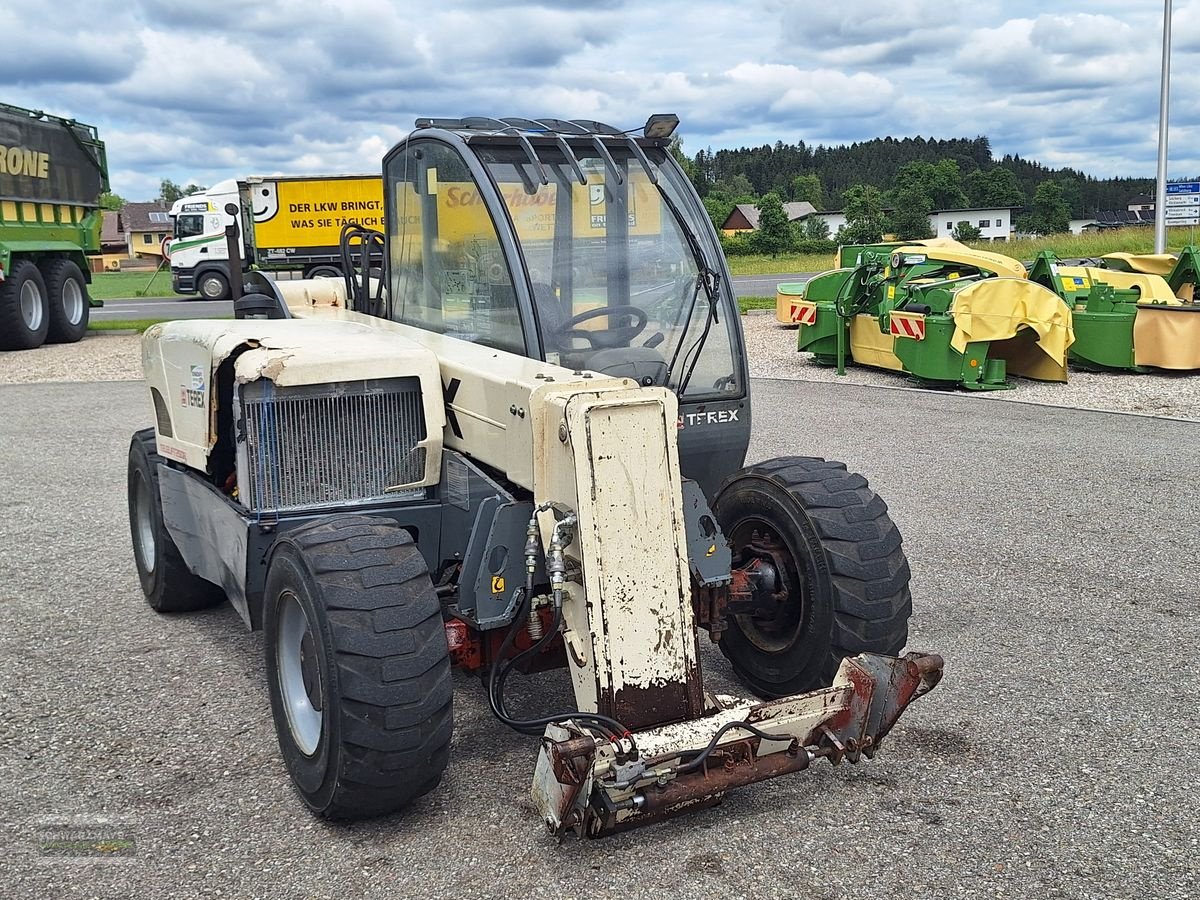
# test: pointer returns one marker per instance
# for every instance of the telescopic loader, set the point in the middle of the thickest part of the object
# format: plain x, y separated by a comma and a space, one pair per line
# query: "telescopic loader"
521, 448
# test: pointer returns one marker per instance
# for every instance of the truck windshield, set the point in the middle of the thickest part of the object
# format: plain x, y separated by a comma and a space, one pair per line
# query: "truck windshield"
189, 226
615, 266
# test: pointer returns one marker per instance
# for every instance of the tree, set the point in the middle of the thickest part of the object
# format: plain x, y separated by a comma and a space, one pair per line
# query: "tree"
940, 182
774, 232
964, 231
109, 200
1049, 213
739, 186
863, 205
689, 167
814, 228
910, 214
169, 191
808, 187
996, 187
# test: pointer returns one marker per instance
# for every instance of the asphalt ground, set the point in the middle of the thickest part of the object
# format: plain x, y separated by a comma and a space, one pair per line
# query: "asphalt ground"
1054, 565
178, 308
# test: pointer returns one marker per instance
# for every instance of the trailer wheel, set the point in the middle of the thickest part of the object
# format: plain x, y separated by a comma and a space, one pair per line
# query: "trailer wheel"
167, 582
323, 271
67, 301
24, 317
837, 563
213, 285
357, 666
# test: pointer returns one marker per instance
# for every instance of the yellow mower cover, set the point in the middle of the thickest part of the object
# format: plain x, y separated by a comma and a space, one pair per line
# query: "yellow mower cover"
1166, 337
952, 251
1159, 264
995, 309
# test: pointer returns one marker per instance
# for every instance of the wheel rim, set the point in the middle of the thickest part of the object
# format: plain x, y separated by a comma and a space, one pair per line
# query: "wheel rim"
212, 288
72, 301
299, 674
143, 522
779, 632
31, 306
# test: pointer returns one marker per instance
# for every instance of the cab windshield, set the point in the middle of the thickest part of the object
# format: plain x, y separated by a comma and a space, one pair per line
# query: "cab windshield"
617, 271
189, 226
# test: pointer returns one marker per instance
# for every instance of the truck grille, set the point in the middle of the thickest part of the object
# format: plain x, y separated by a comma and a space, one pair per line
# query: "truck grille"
316, 445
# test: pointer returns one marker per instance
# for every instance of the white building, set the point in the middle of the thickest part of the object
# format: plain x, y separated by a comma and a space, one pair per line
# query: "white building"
994, 223
834, 220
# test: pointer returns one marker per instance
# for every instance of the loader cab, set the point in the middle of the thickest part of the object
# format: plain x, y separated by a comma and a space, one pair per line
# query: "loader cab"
573, 243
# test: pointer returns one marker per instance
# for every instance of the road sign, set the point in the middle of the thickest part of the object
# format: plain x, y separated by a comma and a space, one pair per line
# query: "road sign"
1183, 187
1183, 200
1188, 220
166, 248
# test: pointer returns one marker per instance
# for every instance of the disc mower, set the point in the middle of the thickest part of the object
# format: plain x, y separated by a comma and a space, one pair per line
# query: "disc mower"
940, 312
520, 446
1132, 312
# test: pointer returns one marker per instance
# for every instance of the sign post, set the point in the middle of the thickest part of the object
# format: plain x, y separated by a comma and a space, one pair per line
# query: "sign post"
1160, 190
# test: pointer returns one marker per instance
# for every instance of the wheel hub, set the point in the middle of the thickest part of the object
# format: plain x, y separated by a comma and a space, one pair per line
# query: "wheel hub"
31, 306
144, 521
72, 301
310, 670
298, 669
780, 603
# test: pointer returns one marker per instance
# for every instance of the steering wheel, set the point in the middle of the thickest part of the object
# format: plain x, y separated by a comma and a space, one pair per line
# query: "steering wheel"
604, 338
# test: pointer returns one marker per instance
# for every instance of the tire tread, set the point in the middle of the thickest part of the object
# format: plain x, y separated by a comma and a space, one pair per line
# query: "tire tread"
392, 664
869, 573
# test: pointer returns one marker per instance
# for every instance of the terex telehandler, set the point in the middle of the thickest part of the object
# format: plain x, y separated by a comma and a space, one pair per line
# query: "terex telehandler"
520, 445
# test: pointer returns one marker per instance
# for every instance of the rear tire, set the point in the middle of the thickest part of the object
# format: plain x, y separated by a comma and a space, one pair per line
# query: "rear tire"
357, 666
24, 312
213, 285
67, 299
846, 573
168, 583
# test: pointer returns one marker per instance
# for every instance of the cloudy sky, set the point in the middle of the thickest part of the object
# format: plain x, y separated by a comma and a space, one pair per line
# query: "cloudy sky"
197, 92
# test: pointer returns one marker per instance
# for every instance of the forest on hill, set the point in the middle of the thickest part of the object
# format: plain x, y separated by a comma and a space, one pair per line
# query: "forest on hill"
822, 174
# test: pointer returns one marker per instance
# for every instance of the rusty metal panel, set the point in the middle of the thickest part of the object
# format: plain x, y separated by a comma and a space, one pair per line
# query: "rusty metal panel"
634, 555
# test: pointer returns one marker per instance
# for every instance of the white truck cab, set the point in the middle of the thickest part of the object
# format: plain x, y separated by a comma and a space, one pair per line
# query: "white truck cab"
199, 253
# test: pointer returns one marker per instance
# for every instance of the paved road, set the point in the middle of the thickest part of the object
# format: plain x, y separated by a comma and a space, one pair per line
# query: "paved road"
1057, 759
175, 308
161, 308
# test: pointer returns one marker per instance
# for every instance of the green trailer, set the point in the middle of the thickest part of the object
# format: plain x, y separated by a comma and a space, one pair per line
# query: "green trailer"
52, 173
939, 312
1133, 313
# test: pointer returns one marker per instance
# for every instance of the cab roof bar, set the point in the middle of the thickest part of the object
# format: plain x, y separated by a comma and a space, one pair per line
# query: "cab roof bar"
650, 173
609, 162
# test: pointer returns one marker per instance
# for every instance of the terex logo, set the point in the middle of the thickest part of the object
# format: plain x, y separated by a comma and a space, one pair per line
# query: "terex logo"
715, 417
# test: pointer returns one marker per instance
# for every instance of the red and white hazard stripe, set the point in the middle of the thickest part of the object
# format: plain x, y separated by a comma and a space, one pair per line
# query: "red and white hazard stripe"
804, 313
908, 326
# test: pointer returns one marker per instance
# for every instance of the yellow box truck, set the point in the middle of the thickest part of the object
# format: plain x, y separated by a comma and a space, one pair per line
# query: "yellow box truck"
285, 223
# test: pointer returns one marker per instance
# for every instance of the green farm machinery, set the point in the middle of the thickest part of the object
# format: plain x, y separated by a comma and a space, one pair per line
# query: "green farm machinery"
1131, 312
942, 313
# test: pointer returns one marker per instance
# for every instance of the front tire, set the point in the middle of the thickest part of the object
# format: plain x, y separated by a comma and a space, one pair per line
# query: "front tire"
357, 666
24, 312
213, 285
67, 299
843, 568
168, 583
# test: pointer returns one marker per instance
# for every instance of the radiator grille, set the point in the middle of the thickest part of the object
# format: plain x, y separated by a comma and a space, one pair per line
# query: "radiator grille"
316, 445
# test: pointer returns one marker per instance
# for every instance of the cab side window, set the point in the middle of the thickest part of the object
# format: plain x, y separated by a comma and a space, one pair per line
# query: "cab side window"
448, 271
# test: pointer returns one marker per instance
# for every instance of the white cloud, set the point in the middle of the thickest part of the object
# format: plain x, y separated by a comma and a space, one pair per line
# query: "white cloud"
202, 92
